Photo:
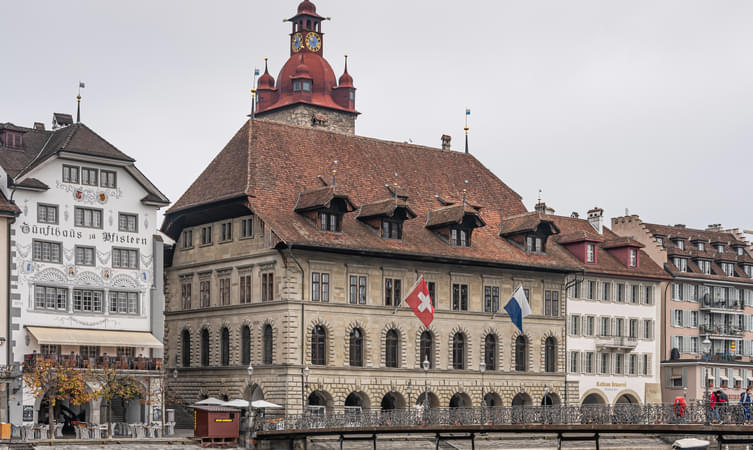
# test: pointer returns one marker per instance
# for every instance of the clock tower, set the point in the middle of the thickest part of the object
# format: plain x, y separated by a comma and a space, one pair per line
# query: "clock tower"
306, 92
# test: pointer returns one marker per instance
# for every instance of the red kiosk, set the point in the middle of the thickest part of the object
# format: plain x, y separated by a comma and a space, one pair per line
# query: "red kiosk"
216, 425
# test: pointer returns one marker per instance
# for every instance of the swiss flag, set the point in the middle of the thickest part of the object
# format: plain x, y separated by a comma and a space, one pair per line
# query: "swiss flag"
420, 302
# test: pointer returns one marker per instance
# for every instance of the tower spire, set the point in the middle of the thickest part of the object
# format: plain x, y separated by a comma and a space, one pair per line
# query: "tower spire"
81, 84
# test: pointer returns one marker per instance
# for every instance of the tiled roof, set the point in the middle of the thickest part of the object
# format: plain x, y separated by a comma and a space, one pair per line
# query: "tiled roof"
578, 236
527, 222
320, 198
270, 164
8, 208
453, 214
33, 183
691, 234
384, 207
607, 264
620, 242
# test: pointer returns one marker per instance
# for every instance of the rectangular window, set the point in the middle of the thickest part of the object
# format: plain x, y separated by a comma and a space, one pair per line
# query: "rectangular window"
621, 293
187, 239
618, 363
267, 287
224, 291
606, 293
245, 287
633, 328
70, 174
128, 223
329, 221
44, 251
591, 290
125, 258
649, 300
749, 271
392, 291
633, 364
89, 176
204, 293
128, 302
50, 298
87, 217
357, 291
575, 293
589, 362
50, 349
185, 294
125, 352
226, 232
619, 325
320, 287
47, 214
206, 235
84, 256
551, 303
705, 266
432, 292
604, 331
590, 253
604, 363
574, 362
590, 325
635, 294
460, 297
574, 325
681, 264
646, 366
392, 229
109, 179
88, 351
86, 300
491, 299
633, 258
247, 228
648, 329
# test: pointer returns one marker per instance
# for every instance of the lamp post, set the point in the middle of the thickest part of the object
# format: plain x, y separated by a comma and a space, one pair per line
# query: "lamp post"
425, 366
482, 369
251, 415
304, 382
410, 388
706, 348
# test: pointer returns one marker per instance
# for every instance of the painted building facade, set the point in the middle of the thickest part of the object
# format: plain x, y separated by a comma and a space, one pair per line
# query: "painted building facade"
710, 298
86, 275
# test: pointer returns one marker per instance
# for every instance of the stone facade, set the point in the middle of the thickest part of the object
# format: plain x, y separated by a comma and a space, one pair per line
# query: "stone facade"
293, 320
313, 116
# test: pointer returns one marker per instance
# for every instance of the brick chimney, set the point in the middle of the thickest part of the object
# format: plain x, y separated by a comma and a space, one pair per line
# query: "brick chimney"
541, 208
446, 141
39, 126
596, 219
714, 227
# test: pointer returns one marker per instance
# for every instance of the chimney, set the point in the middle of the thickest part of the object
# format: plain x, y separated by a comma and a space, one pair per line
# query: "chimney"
575, 215
446, 140
541, 208
714, 227
595, 218
39, 126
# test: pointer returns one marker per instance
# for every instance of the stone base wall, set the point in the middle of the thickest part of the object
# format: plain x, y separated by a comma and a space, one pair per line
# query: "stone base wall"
310, 116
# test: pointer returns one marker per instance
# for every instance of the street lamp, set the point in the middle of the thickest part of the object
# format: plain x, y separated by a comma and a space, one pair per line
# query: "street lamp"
410, 388
425, 366
305, 372
482, 369
251, 415
706, 348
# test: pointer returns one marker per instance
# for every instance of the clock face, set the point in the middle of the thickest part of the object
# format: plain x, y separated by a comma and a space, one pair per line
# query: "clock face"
313, 42
297, 42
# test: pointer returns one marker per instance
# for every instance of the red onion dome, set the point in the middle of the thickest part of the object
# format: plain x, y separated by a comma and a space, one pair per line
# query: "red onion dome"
306, 7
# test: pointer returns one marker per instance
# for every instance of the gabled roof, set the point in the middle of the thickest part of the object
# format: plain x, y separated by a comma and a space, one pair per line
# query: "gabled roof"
621, 242
524, 223
579, 236
386, 207
321, 198
266, 165
452, 215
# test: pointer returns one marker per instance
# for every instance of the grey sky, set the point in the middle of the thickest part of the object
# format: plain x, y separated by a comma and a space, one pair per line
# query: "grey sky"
646, 105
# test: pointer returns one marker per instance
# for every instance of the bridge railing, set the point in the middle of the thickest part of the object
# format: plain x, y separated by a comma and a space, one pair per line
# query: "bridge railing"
651, 414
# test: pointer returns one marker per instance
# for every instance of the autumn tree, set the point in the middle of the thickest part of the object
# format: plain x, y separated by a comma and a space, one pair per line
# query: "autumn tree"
59, 383
113, 384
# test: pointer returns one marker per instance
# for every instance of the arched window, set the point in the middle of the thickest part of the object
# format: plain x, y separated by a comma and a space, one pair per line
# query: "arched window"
268, 341
246, 345
225, 347
319, 346
391, 349
521, 353
458, 351
550, 355
205, 347
490, 352
427, 345
186, 341
356, 347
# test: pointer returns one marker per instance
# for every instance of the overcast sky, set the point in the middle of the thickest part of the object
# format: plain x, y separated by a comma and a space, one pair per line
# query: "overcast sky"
639, 105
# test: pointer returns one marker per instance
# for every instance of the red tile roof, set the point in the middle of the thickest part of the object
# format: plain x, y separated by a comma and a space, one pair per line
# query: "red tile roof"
271, 163
384, 207
621, 242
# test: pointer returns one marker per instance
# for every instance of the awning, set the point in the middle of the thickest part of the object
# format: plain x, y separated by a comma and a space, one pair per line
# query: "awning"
104, 338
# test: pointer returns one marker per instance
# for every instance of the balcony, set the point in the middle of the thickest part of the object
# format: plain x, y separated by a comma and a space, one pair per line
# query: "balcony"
720, 331
616, 342
97, 362
722, 306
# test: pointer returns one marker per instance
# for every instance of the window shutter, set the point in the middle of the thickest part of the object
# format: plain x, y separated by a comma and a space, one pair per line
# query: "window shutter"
716, 376
673, 343
673, 320
684, 377
648, 363
583, 362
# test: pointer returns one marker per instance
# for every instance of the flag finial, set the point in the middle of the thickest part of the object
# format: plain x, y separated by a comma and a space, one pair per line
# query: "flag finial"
334, 172
81, 84
466, 128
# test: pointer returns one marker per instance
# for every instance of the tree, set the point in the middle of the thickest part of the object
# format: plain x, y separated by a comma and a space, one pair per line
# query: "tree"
60, 383
114, 384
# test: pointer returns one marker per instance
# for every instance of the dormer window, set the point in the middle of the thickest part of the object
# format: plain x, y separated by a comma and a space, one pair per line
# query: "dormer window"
534, 244
13, 140
460, 237
660, 241
679, 243
392, 229
302, 85
720, 248
740, 251
590, 253
749, 271
633, 262
728, 269
681, 264
701, 246
705, 266
330, 221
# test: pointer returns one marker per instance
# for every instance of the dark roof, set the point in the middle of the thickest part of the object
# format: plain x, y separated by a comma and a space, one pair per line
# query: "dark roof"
453, 214
384, 207
523, 223
321, 198
6, 207
62, 119
606, 263
269, 164
32, 183
691, 234
579, 236
621, 242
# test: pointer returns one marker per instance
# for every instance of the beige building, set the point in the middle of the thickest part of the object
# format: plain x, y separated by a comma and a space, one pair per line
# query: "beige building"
9, 371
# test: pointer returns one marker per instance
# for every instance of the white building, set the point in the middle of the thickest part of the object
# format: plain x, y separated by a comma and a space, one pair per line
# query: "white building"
613, 315
86, 272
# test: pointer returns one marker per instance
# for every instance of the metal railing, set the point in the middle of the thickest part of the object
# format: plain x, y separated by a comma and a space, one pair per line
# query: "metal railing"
97, 362
655, 414
721, 330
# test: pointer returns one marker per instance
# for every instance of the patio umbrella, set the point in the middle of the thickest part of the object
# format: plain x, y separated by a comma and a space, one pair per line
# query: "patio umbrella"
237, 403
210, 401
263, 404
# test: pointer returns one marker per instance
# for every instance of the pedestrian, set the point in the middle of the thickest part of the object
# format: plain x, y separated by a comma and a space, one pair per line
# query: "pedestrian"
713, 408
680, 405
746, 400
721, 405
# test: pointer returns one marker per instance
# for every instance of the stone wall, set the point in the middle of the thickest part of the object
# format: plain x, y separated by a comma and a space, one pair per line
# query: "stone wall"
311, 116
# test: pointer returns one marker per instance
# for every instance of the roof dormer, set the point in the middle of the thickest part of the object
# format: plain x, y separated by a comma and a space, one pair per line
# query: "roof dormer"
387, 216
455, 223
582, 244
11, 136
626, 250
324, 207
529, 231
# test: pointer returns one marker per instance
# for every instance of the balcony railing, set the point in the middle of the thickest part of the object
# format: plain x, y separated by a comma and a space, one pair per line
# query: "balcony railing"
616, 342
725, 305
720, 330
97, 362
10, 372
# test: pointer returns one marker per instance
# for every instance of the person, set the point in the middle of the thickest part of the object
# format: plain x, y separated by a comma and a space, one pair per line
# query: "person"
680, 406
721, 405
746, 400
714, 408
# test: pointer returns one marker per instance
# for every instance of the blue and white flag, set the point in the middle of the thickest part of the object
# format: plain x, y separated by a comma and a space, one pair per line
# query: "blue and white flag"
518, 307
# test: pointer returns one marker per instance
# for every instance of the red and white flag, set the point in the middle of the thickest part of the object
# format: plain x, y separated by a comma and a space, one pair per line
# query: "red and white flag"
420, 302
